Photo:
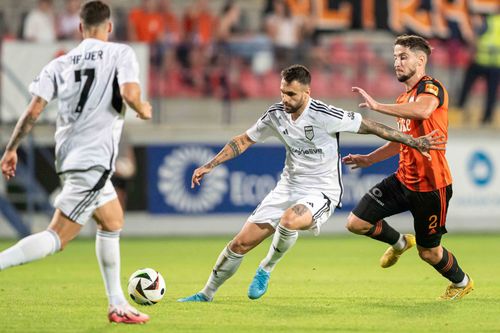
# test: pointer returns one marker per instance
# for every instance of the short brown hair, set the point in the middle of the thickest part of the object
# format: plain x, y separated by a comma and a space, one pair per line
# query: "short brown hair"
297, 73
94, 13
414, 43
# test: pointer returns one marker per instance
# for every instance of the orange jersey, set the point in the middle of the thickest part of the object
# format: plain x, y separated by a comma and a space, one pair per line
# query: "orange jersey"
415, 171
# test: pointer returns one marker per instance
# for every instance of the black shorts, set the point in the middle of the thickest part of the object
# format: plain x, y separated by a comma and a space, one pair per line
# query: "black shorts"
390, 197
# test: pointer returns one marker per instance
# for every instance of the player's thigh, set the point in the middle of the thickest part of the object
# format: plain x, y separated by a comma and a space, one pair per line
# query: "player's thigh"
385, 199
273, 206
429, 210
319, 208
81, 192
251, 235
109, 212
65, 228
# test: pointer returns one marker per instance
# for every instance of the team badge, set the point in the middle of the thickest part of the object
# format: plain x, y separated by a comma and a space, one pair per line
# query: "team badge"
431, 89
309, 132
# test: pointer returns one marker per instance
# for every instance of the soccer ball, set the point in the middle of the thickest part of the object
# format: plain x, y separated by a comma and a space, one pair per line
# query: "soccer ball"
146, 286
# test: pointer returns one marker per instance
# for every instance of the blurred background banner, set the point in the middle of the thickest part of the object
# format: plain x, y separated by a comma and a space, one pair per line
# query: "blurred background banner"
475, 166
239, 185
235, 187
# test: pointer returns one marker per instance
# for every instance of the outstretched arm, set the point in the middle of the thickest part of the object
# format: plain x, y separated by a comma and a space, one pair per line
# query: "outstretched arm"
233, 148
421, 108
380, 154
431, 141
23, 127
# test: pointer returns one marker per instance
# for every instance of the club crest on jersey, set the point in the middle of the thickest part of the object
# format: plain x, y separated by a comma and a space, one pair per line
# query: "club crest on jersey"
309, 132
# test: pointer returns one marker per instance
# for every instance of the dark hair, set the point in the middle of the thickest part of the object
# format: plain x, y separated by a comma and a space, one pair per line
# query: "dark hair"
414, 42
94, 13
297, 73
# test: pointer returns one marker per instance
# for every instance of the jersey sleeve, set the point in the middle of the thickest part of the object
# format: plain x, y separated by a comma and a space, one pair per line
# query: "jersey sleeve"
262, 129
431, 87
128, 67
44, 85
338, 120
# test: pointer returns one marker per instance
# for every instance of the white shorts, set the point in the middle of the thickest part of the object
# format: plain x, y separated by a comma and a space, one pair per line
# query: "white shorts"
83, 192
283, 197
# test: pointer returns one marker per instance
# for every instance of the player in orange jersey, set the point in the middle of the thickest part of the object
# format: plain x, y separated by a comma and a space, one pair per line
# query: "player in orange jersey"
420, 185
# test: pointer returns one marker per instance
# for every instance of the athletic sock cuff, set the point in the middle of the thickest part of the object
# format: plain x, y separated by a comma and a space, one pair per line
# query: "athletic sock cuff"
57, 240
108, 234
232, 255
285, 231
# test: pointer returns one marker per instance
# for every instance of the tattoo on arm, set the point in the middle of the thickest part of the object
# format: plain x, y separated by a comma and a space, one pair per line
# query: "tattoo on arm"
26, 122
232, 149
388, 133
234, 146
23, 127
299, 209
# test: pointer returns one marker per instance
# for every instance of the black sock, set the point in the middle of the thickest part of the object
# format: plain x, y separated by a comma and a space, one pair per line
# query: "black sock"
448, 267
383, 232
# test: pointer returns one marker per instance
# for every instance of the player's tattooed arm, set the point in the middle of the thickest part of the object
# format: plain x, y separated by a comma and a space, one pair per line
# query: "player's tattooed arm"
8, 163
431, 141
233, 148
26, 122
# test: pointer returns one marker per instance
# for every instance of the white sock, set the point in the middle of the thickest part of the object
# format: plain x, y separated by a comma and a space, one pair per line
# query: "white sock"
226, 265
400, 244
463, 283
31, 248
107, 248
283, 240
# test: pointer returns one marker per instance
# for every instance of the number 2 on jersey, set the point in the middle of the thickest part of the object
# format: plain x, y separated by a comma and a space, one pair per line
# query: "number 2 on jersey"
90, 74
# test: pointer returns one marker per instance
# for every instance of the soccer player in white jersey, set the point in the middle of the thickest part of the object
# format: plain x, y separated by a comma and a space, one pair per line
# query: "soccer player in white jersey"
310, 187
90, 82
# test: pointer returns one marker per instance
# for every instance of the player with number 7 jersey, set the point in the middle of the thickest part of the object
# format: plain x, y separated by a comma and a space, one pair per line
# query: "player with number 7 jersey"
91, 82
86, 81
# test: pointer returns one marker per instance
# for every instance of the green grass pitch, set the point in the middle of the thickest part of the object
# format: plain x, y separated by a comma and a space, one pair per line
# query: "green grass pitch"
325, 284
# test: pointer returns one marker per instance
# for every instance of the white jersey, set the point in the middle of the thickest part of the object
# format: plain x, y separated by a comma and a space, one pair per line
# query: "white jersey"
86, 81
312, 144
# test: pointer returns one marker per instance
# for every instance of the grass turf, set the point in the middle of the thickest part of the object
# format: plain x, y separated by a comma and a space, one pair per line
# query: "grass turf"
325, 284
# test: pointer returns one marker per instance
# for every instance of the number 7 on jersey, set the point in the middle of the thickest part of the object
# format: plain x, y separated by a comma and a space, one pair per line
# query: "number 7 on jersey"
90, 74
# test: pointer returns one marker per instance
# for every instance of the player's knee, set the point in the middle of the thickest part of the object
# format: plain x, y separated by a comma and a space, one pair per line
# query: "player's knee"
240, 246
356, 225
112, 225
291, 218
430, 256
288, 220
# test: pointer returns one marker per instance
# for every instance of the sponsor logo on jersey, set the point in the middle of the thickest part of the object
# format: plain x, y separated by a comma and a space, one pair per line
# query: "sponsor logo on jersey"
307, 151
431, 89
350, 114
309, 132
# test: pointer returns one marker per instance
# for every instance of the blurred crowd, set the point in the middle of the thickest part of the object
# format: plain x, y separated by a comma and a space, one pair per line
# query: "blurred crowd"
198, 51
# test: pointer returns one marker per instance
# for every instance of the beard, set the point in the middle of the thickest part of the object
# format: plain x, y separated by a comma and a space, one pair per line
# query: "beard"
405, 77
291, 109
